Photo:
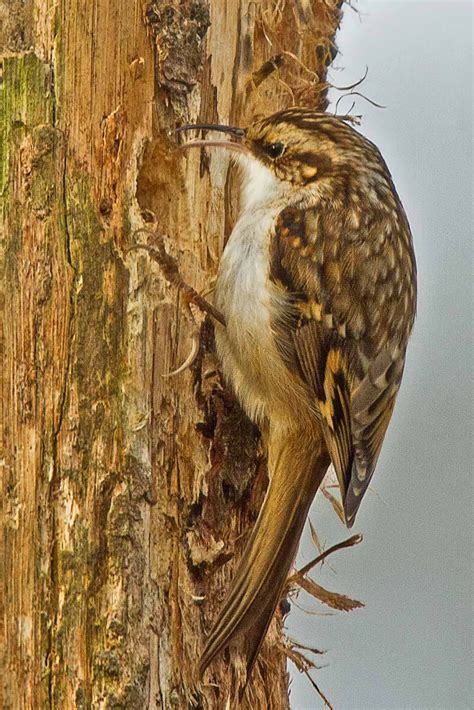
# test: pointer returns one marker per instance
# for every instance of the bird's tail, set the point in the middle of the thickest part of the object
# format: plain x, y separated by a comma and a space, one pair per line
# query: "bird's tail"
297, 466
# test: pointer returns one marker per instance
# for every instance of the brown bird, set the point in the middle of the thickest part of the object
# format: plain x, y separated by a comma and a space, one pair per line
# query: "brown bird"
317, 286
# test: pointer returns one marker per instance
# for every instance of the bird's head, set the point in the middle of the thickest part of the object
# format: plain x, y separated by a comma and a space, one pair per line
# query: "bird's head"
296, 154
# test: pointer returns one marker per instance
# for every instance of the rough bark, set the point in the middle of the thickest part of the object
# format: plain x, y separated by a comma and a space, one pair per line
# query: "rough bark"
127, 496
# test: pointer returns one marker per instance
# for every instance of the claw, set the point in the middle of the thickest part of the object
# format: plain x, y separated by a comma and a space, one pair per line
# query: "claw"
189, 360
207, 292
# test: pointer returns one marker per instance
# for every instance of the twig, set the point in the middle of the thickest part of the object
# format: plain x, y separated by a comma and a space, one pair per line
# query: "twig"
302, 64
318, 690
351, 86
304, 665
297, 644
331, 599
266, 69
356, 93
353, 540
366, 98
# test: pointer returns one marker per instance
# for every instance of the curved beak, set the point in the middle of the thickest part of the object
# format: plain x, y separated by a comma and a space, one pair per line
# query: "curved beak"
235, 132
228, 145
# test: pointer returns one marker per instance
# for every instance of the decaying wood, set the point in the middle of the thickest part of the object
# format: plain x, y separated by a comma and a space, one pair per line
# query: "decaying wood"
127, 496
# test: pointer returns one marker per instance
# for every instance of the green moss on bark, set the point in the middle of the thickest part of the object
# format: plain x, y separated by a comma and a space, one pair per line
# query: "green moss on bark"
26, 103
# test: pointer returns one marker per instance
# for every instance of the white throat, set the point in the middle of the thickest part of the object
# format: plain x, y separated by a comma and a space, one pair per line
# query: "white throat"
260, 187
250, 301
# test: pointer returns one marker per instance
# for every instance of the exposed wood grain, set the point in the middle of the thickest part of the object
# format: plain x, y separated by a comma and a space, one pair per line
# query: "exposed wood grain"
127, 496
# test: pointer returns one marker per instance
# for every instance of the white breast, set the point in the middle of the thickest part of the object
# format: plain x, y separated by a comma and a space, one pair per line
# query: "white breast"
244, 291
244, 295
249, 301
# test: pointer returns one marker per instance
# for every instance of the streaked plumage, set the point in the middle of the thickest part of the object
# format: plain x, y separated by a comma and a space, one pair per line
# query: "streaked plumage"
317, 285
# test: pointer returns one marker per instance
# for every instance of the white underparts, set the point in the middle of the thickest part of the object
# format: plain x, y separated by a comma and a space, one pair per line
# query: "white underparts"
250, 301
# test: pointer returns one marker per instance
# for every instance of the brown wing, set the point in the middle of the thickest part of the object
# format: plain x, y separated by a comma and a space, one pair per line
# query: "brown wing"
353, 291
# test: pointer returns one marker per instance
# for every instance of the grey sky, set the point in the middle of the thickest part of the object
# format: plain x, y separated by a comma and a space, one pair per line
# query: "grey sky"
411, 647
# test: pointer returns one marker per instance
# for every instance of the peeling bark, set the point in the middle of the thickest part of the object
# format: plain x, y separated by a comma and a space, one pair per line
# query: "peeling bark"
127, 496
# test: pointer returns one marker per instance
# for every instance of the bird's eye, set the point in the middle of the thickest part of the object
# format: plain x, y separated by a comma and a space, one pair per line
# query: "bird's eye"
274, 150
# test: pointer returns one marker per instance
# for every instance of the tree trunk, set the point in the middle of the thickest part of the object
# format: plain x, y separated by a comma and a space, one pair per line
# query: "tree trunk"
127, 496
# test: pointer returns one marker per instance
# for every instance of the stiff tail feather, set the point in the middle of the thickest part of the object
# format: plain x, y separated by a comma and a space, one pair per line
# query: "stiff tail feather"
297, 466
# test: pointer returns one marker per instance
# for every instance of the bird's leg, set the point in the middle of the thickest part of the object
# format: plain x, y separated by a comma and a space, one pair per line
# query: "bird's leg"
191, 297
171, 273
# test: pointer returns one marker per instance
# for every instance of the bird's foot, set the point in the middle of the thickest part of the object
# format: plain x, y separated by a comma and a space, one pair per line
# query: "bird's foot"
192, 299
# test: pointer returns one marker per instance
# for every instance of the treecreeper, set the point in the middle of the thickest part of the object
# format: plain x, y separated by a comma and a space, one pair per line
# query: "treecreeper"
317, 291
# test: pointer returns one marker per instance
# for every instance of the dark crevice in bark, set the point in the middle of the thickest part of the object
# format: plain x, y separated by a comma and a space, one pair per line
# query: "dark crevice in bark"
54, 486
